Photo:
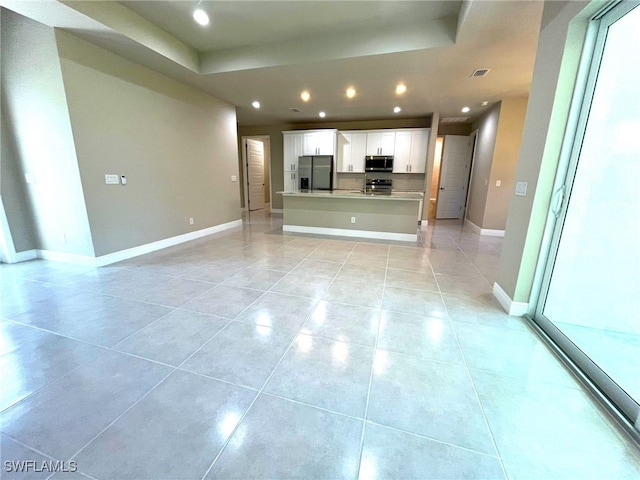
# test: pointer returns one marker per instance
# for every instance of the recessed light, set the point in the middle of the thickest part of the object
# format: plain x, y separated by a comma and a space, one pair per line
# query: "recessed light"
397, 109
485, 103
256, 104
305, 96
465, 109
201, 17
322, 114
351, 92
401, 88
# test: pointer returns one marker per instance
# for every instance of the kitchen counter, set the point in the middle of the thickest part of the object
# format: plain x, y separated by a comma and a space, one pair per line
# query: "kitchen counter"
415, 196
352, 213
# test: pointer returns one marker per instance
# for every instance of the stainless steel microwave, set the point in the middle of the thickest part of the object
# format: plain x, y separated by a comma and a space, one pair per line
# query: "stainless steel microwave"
378, 163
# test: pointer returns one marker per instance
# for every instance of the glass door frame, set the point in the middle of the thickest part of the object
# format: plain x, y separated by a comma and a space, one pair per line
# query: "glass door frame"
624, 408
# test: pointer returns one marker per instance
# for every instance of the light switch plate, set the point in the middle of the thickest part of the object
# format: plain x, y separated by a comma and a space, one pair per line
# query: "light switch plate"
521, 189
111, 179
498, 183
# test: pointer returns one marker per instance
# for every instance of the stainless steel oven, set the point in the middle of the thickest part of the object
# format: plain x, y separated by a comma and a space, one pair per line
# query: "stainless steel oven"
378, 186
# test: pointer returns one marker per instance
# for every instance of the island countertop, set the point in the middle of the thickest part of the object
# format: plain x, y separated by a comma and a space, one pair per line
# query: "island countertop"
355, 194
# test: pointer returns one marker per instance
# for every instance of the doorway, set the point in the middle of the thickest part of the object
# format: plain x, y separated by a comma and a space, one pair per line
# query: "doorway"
455, 168
590, 288
256, 168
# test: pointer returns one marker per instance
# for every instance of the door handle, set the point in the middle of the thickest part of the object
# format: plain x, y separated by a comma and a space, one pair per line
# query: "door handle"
559, 198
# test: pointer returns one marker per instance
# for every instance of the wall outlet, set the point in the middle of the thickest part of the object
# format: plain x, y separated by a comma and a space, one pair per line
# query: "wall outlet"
353, 219
190, 220
498, 183
234, 178
30, 178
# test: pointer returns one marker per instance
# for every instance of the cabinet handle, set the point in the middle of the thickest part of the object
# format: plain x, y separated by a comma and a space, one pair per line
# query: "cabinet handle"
409, 167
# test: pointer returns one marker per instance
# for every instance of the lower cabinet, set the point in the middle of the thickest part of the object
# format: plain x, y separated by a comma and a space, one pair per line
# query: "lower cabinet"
291, 182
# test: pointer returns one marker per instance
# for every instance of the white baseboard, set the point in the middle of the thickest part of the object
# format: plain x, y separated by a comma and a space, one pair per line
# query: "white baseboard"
84, 260
516, 309
134, 251
160, 244
340, 232
276, 210
484, 231
26, 256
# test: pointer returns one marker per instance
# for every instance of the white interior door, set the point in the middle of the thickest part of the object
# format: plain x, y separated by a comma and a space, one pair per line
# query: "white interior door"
255, 173
454, 176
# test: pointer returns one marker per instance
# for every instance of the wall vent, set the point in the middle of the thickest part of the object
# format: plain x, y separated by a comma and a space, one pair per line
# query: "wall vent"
454, 119
480, 72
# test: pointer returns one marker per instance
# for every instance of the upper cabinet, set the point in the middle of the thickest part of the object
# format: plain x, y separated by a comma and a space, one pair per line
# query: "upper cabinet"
319, 142
410, 154
293, 148
352, 148
381, 142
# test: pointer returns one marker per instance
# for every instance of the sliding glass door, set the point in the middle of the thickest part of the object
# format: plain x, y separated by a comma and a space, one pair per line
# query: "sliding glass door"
590, 299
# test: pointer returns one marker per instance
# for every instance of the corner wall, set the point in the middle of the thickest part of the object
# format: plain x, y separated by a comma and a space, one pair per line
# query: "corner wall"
487, 126
36, 120
13, 194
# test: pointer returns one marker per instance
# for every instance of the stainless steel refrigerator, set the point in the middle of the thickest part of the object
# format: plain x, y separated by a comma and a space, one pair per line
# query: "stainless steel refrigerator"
315, 172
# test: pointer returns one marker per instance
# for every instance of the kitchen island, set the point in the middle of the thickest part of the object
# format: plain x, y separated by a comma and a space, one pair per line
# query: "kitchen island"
352, 214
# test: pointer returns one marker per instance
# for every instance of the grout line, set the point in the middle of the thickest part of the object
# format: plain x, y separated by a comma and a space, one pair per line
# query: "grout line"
477, 395
224, 446
373, 363
174, 369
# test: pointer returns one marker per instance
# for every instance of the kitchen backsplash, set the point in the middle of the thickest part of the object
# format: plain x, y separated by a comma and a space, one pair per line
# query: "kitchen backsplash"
402, 182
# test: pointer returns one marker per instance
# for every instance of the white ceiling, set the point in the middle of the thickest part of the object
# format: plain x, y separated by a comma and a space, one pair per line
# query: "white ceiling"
272, 50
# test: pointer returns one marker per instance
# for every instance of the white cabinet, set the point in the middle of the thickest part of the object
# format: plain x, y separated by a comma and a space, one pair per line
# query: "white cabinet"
292, 149
319, 142
291, 182
381, 142
352, 148
410, 154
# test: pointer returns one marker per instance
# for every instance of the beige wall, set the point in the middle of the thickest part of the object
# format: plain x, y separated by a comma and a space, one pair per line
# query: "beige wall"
505, 159
557, 58
37, 120
497, 147
487, 126
176, 145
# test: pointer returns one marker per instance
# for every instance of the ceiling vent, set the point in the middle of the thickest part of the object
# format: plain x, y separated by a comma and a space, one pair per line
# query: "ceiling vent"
295, 110
454, 119
480, 72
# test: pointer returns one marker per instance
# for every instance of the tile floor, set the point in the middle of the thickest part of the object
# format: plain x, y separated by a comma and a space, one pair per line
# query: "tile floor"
253, 354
